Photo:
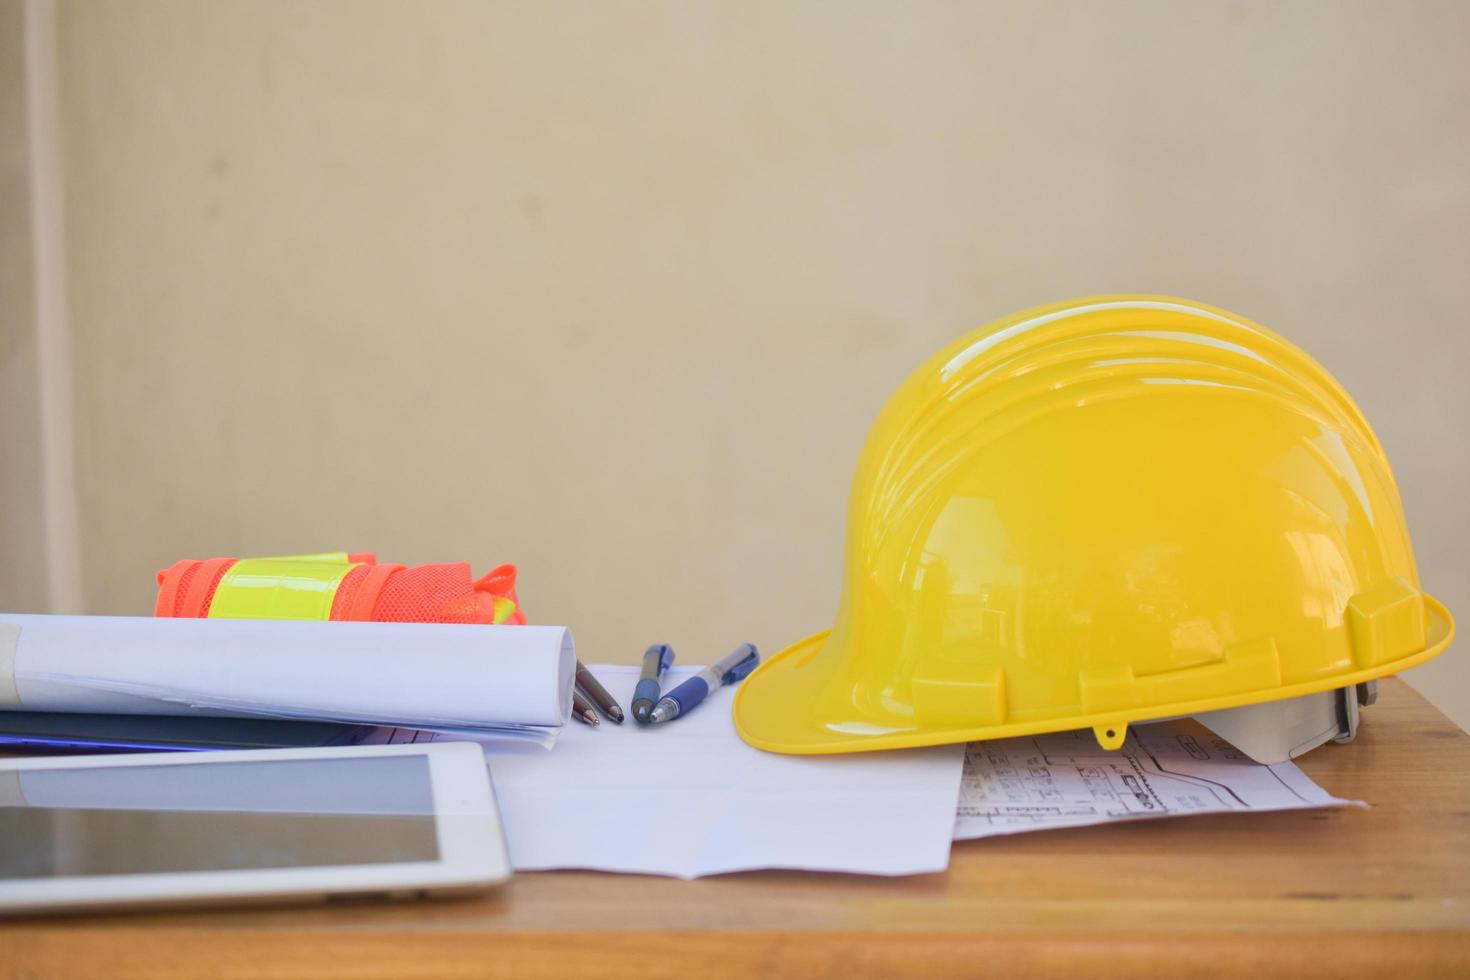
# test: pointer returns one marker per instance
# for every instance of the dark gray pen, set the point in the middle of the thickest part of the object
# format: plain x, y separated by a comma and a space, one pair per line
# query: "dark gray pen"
656, 660
582, 710
593, 688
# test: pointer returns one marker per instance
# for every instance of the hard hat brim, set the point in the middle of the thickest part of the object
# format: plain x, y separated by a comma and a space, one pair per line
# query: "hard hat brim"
786, 705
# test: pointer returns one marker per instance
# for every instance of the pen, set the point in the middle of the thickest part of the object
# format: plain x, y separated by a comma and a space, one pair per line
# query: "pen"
656, 660
729, 670
593, 688
582, 710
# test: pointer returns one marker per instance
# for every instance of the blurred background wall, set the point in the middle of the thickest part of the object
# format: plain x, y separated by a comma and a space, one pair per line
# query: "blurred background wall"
613, 290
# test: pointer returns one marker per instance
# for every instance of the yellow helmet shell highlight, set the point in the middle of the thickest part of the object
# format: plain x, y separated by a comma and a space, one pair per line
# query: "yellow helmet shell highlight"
1096, 513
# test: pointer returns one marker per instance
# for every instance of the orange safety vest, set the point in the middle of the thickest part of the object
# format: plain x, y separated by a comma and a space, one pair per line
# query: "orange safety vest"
337, 586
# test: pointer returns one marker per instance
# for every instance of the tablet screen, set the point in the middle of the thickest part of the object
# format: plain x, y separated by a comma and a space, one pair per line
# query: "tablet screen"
216, 816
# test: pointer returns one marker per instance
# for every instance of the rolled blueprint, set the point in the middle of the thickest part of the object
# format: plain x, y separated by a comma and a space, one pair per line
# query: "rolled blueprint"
414, 675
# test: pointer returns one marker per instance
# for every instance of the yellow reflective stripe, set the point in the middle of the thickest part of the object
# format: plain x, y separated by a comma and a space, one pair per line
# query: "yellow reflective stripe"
279, 588
340, 556
503, 609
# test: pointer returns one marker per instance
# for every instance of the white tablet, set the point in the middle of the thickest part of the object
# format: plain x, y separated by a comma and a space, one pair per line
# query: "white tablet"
270, 824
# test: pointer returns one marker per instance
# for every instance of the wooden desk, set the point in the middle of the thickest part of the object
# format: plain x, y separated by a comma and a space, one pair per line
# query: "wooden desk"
1342, 893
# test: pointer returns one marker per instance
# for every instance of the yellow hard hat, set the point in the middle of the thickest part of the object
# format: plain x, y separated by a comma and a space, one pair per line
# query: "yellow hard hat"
1103, 512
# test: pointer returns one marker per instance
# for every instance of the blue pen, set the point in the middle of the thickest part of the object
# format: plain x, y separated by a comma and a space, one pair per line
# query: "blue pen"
656, 660
682, 699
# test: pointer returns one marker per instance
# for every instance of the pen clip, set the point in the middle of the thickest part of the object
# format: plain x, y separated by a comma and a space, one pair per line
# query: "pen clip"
665, 655
742, 669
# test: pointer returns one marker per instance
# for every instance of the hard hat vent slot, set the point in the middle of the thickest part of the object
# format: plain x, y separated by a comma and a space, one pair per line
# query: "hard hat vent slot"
954, 693
1386, 622
1251, 666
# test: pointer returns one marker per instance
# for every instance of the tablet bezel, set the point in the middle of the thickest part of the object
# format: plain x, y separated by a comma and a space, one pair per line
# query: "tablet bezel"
472, 850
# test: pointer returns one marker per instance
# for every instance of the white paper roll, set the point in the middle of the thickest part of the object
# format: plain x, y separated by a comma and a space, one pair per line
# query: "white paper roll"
9, 640
408, 674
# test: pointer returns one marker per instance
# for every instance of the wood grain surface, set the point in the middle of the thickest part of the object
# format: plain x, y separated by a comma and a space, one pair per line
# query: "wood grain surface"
1305, 893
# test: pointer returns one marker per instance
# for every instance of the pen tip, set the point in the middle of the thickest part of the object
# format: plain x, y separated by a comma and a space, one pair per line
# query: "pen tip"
616, 714
640, 714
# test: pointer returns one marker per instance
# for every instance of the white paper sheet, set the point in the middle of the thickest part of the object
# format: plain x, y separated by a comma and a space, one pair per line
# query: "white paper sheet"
1167, 769
689, 798
517, 678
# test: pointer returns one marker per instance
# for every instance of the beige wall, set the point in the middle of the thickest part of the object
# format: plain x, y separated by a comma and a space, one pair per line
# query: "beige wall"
613, 290
23, 554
